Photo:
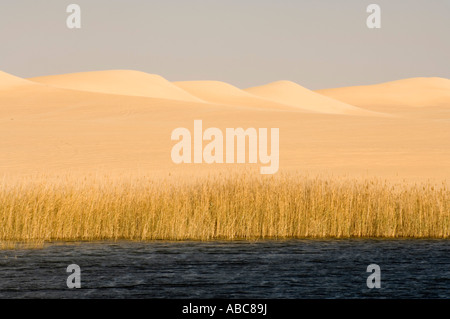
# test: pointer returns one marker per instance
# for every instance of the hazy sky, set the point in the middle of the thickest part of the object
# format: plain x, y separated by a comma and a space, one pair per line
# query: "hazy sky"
316, 43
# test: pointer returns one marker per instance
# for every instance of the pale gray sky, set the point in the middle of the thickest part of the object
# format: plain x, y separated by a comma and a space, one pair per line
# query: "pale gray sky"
316, 43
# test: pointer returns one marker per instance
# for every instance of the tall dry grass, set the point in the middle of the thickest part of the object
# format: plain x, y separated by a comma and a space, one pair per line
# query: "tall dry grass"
236, 207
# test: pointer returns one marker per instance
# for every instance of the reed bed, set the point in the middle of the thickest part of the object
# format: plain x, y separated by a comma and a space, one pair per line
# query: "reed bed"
221, 208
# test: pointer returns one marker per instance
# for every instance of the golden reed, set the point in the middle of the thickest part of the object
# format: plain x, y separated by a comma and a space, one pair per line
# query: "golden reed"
235, 207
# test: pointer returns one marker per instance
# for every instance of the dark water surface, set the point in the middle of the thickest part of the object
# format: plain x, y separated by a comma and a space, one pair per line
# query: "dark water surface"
265, 269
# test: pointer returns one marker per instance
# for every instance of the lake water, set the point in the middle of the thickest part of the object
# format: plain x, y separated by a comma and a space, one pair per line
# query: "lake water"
263, 269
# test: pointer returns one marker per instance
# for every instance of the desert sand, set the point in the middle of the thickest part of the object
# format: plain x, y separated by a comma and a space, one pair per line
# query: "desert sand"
120, 122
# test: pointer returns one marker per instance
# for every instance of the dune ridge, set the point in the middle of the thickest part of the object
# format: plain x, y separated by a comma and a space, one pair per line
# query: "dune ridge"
9, 81
411, 92
291, 93
120, 82
226, 94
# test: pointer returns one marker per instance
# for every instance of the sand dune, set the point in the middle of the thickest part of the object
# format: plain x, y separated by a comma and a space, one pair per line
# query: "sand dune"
121, 82
414, 92
21, 98
48, 130
227, 94
290, 93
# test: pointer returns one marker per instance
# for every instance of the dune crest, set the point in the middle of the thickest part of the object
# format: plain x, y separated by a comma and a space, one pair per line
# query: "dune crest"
121, 82
226, 94
291, 93
8, 81
412, 92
